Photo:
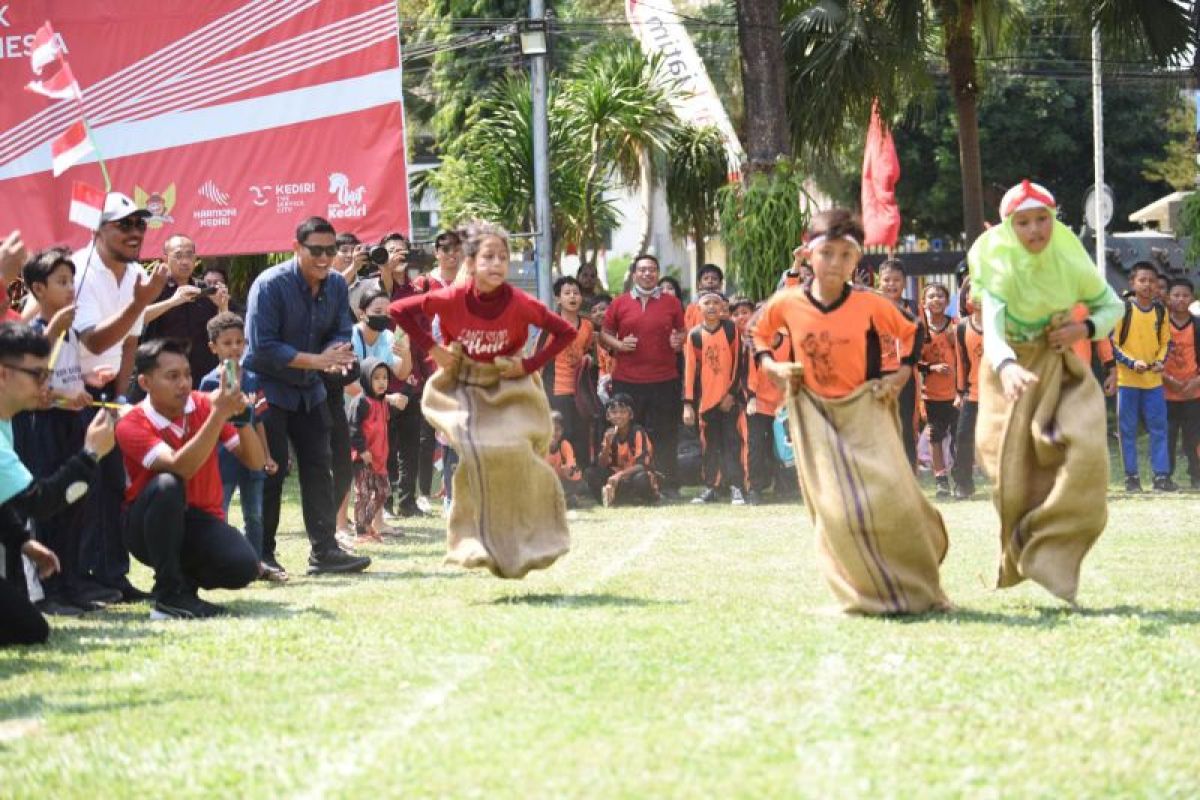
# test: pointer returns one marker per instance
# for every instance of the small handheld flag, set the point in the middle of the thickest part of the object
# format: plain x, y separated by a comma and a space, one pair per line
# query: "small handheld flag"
87, 204
70, 148
46, 48
61, 86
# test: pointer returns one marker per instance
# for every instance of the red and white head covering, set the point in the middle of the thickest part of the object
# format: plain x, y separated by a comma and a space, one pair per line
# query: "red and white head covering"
1024, 196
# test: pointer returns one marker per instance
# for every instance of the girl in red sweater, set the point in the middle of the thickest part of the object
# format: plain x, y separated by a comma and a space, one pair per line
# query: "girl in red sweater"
508, 512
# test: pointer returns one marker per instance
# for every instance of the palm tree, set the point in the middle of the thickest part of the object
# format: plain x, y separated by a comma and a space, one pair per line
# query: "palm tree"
697, 167
619, 101
845, 53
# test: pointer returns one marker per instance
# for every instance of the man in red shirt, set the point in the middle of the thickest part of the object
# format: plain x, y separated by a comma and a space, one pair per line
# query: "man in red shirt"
644, 329
173, 517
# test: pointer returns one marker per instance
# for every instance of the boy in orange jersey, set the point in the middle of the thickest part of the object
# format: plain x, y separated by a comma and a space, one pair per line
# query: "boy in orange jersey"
763, 399
710, 278
879, 540
622, 474
714, 380
938, 358
561, 456
1181, 377
968, 349
560, 376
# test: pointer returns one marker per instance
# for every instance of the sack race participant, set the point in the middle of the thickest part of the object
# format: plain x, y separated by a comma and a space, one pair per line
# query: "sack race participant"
508, 512
1041, 412
879, 540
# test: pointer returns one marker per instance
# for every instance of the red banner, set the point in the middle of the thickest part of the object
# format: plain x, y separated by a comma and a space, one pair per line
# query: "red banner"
230, 120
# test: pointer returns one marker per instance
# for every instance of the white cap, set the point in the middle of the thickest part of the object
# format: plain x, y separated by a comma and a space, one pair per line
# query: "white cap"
1024, 196
119, 206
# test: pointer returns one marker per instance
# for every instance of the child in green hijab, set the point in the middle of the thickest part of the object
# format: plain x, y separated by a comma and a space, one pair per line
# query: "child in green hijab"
1041, 428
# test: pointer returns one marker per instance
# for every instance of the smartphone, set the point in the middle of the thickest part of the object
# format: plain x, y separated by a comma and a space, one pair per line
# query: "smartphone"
231, 381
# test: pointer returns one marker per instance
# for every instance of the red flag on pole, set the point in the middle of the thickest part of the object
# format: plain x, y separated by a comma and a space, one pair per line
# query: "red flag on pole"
87, 204
69, 149
46, 47
60, 86
881, 171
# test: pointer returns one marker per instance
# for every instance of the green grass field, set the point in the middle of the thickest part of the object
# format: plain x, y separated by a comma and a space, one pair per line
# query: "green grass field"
678, 651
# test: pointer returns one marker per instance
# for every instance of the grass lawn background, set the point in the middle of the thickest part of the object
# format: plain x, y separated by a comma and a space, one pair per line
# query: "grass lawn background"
677, 651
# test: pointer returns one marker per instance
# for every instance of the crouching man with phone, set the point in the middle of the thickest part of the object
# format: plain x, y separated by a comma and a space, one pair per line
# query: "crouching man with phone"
173, 518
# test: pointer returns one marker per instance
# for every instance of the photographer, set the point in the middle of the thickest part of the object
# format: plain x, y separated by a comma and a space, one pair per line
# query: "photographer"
351, 259
183, 309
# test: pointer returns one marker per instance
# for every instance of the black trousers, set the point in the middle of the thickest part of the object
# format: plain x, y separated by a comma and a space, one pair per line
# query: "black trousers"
308, 430
907, 403
186, 547
20, 622
103, 552
963, 469
658, 407
721, 440
760, 430
339, 444
410, 462
575, 430
1183, 419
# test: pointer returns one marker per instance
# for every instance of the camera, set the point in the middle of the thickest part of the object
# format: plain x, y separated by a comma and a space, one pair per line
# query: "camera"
206, 291
378, 255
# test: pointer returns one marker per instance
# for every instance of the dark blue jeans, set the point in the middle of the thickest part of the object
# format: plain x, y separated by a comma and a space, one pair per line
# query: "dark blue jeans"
249, 485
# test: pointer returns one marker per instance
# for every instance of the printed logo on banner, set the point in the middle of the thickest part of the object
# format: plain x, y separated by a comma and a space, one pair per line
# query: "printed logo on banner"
159, 204
290, 198
350, 203
214, 217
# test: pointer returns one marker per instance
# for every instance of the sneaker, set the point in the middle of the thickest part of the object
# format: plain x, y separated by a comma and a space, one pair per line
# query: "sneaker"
1163, 483
335, 561
607, 495
943, 486
55, 607
424, 506
753, 498
273, 564
132, 594
964, 492
265, 573
735, 497
1132, 484
210, 610
90, 595
709, 495
412, 510
179, 606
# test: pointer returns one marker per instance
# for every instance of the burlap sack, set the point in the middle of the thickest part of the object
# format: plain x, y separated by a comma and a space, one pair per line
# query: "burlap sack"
879, 540
508, 512
1047, 455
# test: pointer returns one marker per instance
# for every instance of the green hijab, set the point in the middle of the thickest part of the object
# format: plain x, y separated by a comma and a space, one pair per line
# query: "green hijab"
1035, 287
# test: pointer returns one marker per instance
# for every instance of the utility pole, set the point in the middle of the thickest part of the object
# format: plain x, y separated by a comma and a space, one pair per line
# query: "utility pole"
1098, 195
537, 51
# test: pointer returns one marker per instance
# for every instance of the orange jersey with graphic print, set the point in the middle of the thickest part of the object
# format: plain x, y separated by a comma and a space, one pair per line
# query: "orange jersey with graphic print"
604, 360
1085, 347
939, 347
618, 453
713, 366
1181, 363
768, 395
890, 349
566, 363
969, 350
839, 344
562, 458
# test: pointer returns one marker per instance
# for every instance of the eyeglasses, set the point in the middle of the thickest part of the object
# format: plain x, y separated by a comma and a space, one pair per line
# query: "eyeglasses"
130, 223
318, 250
39, 374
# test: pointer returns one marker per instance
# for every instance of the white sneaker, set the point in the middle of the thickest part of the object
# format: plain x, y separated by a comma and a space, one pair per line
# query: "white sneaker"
424, 504
736, 494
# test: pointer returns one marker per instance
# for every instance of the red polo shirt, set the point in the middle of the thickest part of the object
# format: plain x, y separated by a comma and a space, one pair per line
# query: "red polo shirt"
143, 434
653, 360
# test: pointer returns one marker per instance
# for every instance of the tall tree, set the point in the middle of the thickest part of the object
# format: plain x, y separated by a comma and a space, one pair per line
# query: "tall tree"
697, 167
760, 42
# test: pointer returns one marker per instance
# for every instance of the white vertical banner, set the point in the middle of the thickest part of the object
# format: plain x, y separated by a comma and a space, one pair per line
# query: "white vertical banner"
660, 31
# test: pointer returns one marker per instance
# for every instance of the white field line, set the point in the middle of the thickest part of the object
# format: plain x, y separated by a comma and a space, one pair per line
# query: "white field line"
364, 750
628, 557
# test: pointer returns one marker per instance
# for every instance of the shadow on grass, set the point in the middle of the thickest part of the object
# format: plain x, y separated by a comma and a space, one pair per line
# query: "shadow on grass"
578, 600
1155, 621
383, 575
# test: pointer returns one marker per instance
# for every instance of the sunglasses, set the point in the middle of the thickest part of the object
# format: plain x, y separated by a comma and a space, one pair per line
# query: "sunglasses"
318, 250
39, 374
127, 224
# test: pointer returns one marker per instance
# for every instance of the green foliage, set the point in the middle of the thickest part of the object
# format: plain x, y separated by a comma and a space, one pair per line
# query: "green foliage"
761, 222
618, 268
1177, 166
1189, 226
696, 169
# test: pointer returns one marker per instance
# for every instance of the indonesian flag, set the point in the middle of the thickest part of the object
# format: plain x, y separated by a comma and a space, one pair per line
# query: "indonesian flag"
61, 86
70, 148
881, 171
47, 47
87, 203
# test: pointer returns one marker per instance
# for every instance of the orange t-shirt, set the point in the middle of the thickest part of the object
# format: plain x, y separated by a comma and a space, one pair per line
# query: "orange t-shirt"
890, 348
839, 344
618, 453
562, 458
938, 348
969, 350
604, 360
566, 363
712, 365
692, 316
1085, 347
768, 395
1181, 358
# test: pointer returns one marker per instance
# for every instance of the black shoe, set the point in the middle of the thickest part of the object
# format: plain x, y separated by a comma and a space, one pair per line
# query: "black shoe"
1132, 484
1163, 483
411, 510
132, 594
212, 609
709, 495
180, 606
943, 486
55, 607
964, 492
335, 561
273, 564
753, 498
87, 594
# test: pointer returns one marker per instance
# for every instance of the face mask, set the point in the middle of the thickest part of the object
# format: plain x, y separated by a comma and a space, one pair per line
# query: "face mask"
378, 322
